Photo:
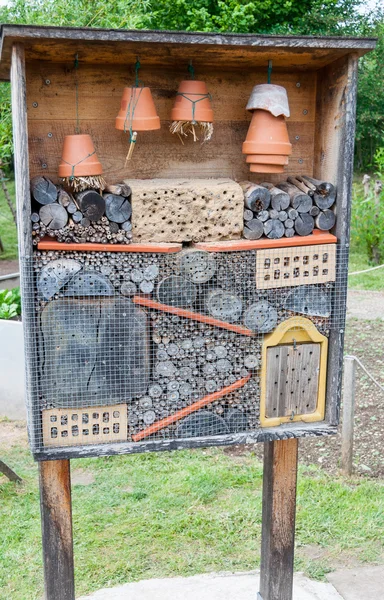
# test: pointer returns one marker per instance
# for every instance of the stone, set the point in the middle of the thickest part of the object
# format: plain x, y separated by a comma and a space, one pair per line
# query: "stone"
182, 210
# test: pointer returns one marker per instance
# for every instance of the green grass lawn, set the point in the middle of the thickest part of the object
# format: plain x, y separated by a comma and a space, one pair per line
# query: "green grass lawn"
374, 280
181, 514
8, 231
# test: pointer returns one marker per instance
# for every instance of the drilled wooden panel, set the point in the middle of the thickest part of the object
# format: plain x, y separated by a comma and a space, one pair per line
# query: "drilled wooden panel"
51, 114
79, 426
292, 380
285, 267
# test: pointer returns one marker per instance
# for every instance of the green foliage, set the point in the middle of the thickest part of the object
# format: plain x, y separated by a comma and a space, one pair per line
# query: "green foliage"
6, 142
370, 102
10, 303
367, 222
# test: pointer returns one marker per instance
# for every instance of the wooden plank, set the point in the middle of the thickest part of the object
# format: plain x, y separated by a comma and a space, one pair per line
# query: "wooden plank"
189, 314
158, 248
188, 410
122, 46
334, 152
348, 415
278, 519
24, 227
318, 237
159, 154
56, 524
292, 380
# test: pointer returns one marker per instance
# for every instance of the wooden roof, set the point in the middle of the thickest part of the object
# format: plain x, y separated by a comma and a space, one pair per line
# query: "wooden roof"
166, 48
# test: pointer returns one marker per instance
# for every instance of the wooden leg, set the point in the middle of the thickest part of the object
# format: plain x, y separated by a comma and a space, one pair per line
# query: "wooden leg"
56, 524
278, 527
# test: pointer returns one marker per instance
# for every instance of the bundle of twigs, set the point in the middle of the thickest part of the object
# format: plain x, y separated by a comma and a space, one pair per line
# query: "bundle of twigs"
185, 128
80, 184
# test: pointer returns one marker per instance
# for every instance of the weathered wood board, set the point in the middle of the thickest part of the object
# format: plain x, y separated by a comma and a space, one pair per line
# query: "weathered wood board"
105, 343
292, 380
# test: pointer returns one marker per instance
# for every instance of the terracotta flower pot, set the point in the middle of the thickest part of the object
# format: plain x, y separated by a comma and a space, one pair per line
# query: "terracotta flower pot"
267, 159
267, 135
79, 157
137, 110
192, 103
266, 168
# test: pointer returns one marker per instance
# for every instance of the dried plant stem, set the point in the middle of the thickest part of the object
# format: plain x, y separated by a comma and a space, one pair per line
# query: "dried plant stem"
80, 184
185, 128
131, 147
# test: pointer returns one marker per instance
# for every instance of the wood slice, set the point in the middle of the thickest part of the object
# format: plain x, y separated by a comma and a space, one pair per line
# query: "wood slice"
71, 208
201, 423
237, 421
282, 216
263, 215
304, 224
91, 204
54, 216
85, 222
55, 275
248, 214
88, 349
35, 218
176, 291
146, 287
325, 220
128, 288
273, 214
113, 227
126, 226
256, 226
43, 190
315, 210
256, 197
151, 272
89, 283
64, 198
77, 216
274, 229
252, 235
279, 200
119, 189
292, 213
198, 266
117, 208
289, 232
260, 317
224, 306
289, 223
300, 201
309, 300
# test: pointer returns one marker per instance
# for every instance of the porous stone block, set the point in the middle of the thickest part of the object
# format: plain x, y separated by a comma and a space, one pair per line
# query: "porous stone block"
184, 210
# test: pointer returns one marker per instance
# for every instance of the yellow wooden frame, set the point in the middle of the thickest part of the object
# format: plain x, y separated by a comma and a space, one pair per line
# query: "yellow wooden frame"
297, 329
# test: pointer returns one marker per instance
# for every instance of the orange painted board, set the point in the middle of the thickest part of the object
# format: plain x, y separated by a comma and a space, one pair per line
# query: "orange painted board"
189, 314
238, 245
184, 412
49, 244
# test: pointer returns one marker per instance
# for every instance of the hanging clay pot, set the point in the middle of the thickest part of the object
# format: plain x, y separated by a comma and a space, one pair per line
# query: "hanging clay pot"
192, 108
267, 159
270, 97
266, 168
267, 135
80, 168
137, 111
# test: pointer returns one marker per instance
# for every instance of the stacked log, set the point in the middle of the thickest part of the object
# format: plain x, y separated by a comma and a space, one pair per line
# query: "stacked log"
295, 207
80, 218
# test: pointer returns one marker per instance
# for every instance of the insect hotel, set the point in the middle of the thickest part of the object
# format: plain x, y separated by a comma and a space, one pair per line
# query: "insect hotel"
183, 211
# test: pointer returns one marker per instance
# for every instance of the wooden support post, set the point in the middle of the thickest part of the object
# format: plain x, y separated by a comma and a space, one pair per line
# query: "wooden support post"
278, 527
8, 472
348, 414
56, 524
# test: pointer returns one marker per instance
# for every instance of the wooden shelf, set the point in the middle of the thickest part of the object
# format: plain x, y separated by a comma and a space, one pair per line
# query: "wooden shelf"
242, 245
194, 316
161, 248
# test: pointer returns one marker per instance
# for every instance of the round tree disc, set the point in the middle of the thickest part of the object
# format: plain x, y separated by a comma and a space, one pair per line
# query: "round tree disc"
202, 423
260, 317
198, 266
176, 291
224, 306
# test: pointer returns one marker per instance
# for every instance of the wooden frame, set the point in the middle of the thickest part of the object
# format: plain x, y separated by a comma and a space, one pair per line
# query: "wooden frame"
295, 329
321, 74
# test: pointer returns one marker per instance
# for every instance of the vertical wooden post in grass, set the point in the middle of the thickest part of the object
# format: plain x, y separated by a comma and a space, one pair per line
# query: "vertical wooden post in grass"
56, 523
278, 527
348, 414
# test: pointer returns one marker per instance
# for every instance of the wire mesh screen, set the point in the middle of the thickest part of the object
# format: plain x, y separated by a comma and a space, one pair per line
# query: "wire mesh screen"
150, 346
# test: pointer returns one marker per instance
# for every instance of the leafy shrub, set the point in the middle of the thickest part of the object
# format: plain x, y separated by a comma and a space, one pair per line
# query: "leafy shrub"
10, 303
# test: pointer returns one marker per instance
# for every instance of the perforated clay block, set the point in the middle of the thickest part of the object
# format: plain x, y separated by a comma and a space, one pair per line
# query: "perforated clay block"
179, 210
79, 426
